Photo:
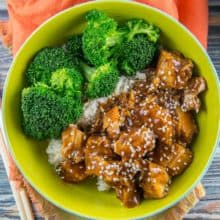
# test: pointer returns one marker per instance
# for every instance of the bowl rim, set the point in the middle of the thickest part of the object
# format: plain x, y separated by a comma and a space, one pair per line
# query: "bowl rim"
5, 134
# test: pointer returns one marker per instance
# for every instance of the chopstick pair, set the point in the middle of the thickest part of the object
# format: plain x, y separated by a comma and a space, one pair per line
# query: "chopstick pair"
20, 195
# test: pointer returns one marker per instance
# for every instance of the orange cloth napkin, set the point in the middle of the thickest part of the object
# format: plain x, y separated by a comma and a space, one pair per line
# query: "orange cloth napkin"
192, 13
27, 15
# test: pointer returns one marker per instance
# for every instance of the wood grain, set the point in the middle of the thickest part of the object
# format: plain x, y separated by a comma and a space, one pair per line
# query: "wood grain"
209, 207
214, 3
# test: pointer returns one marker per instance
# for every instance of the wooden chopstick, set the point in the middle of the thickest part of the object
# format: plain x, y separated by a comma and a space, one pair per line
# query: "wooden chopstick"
18, 200
26, 204
20, 195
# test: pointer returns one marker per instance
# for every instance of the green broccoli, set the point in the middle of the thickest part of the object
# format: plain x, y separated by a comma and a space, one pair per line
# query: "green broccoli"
67, 80
140, 46
136, 54
46, 113
137, 26
47, 61
74, 46
101, 38
101, 80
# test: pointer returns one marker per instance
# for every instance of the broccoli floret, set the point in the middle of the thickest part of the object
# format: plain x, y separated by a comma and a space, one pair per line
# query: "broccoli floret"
46, 113
101, 80
74, 46
67, 80
47, 61
101, 38
140, 46
139, 26
136, 54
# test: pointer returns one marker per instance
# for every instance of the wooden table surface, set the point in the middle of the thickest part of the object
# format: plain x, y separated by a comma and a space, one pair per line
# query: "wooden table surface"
209, 206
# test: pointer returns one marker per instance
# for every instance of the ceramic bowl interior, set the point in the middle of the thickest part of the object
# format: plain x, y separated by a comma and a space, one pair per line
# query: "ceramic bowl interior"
84, 199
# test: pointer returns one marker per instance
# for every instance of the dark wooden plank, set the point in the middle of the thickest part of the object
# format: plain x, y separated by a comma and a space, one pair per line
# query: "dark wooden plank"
4, 14
214, 3
8, 208
214, 20
214, 13
5, 61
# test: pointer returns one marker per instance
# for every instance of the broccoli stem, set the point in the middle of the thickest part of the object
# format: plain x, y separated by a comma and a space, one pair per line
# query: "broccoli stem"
150, 32
113, 40
87, 70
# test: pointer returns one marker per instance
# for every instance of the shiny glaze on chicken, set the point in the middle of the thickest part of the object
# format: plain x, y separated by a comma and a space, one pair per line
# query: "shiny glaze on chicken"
140, 139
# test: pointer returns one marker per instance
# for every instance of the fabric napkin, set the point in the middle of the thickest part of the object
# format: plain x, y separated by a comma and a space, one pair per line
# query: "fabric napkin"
26, 15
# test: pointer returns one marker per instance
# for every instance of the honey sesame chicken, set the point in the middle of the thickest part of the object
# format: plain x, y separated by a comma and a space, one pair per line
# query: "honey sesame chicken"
72, 172
135, 143
173, 70
185, 125
112, 122
191, 100
141, 138
98, 153
156, 117
154, 181
175, 158
121, 176
129, 195
196, 85
73, 143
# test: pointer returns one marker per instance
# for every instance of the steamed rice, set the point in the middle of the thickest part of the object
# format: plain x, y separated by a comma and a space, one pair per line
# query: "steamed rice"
102, 185
54, 152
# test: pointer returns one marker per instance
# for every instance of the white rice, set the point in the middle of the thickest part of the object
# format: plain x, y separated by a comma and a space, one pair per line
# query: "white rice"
89, 112
87, 118
125, 83
102, 185
54, 152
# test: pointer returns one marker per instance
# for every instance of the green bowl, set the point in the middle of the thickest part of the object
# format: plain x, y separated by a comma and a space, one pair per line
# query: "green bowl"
84, 199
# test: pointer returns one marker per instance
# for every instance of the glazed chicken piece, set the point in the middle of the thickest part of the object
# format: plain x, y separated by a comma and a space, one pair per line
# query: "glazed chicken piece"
191, 100
141, 89
135, 143
72, 172
111, 115
129, 195
123, 172
175, 158
96, 126
112, 122
154, 181
124, 100
156, 118
122, 180
131, 100
196, 85
100, 161
186, 126
121, 176
73, 141
168, 98
173, 70
113, 172
98, 154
